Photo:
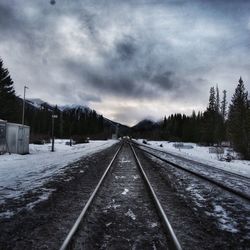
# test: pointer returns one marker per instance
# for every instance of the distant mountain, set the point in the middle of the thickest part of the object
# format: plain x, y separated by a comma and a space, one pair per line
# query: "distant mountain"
144, 125
146, 129
40, 104
36, 102
75, 106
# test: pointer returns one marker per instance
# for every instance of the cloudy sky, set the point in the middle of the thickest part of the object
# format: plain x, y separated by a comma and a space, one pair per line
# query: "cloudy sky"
127, 59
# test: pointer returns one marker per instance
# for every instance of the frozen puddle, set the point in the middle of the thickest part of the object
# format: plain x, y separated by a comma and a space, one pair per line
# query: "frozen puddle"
130, 214
125, 191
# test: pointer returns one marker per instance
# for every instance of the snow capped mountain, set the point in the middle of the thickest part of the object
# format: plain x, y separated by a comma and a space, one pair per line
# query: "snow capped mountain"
39, 103
144, 124
74, 106
36, 102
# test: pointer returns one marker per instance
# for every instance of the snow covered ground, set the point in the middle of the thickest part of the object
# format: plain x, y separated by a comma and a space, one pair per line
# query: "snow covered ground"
201, 154
22, 173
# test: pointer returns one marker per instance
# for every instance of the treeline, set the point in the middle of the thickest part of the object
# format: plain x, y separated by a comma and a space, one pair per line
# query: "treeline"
207, 127
218, 123
76, 122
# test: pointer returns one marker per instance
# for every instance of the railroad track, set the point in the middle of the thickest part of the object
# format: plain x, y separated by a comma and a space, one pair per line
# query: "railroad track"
123, 211
195, 162
232, 183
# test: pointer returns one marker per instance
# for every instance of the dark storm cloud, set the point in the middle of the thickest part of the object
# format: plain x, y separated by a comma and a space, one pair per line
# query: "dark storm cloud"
126, 50
123, 75
84, 50
6, 14
165, 80
109, 82
126, 70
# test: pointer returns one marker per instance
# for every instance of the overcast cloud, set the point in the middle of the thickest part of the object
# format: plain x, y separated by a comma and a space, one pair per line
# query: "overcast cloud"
126, 59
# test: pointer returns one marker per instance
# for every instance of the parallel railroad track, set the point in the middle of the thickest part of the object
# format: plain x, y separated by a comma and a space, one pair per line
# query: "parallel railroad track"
219, 170
124, 169
222, 184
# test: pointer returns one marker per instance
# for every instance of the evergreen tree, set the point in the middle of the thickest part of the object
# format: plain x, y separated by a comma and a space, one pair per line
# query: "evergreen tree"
164, 122
223, 108
8, 101
209, 120
238, 125
212, 100
217, 100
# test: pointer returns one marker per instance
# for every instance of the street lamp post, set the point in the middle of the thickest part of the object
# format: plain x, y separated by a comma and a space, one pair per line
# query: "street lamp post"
24, 92
53, 137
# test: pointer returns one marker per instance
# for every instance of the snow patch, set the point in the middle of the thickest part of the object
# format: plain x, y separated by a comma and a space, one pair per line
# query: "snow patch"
125, 191
7, 214
154, 224
42, 197
225, 222
124, 161
194, 191
20, 174
130, 214
113, 205
120, 177
135, 177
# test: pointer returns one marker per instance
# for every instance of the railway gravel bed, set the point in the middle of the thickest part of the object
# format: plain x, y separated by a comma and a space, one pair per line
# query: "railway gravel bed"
122, 215
234, 181
202, 216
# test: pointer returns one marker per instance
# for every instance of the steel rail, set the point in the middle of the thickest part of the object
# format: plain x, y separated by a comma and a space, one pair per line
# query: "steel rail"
219, 184
87, 205
165, 221
193, 161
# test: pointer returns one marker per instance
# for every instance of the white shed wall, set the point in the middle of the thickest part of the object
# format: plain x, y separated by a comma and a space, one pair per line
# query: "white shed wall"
17, 137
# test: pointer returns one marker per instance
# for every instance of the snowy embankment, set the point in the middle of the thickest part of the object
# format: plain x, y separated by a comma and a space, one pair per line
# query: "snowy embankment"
201, 154
22, 173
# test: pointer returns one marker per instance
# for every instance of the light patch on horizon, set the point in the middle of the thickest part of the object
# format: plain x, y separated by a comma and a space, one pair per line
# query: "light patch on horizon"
130, 111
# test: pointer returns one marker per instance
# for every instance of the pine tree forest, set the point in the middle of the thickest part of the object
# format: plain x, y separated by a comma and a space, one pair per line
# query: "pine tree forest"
218, 123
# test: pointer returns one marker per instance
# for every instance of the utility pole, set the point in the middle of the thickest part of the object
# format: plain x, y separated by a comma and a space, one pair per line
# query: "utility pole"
52, 133
24, 91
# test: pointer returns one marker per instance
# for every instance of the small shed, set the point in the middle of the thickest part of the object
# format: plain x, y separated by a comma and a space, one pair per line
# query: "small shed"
14, 138
17, 138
